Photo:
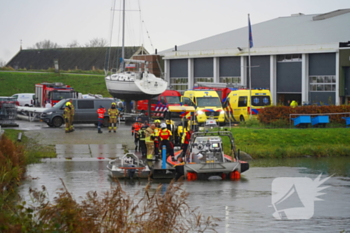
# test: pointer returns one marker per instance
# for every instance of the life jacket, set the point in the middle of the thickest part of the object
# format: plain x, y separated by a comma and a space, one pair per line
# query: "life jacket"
165, 134
101, 112
187, 137
136, 127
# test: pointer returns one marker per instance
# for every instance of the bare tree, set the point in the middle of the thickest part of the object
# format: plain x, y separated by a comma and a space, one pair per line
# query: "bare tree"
97, 42
2, 63
45, 44
73, 44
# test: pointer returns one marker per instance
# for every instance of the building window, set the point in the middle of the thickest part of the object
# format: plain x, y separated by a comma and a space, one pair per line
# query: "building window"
233, 80
322, 83
179, 83
208, 79
289, 58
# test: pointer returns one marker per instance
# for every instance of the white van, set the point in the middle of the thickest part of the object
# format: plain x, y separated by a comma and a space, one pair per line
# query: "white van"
25, 99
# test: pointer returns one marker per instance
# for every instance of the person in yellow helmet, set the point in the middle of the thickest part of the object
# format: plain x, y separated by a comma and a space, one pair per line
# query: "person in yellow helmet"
66, 117
113, 113
149, 140
294, 104
71, 118
156, 137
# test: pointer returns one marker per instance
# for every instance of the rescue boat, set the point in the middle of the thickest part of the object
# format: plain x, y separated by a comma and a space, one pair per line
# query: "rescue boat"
129, 166
205, 158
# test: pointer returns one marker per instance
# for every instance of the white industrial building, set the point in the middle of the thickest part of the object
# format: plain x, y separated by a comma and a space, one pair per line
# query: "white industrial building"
301, 57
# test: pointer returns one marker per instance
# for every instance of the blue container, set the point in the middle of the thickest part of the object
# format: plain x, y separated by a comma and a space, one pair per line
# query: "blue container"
347, 120
301, 120
320, 120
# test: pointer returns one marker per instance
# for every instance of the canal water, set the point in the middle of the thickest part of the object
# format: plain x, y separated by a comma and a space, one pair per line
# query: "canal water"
247, 205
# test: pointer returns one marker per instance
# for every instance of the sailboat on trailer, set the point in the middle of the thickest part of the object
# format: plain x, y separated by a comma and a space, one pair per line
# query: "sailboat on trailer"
134, 85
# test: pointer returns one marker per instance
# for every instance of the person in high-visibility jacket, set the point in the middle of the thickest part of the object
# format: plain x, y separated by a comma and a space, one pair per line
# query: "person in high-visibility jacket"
156, 137
66, 116
293, 104
149, 139
142, 142
113, 114
134, 132
186, 137
165, 136
72, 111
100, 117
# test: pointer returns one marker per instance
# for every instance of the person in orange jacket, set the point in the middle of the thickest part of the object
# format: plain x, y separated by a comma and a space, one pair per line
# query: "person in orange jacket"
100, 117
165, 136
134, 132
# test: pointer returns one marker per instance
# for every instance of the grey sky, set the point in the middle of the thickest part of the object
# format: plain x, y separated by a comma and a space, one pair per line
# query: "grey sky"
168, 22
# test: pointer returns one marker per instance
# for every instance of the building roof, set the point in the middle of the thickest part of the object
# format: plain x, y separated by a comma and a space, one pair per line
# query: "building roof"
87, 58
297, 29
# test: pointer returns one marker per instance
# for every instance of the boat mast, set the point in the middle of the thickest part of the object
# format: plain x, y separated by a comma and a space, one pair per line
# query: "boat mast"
123, 32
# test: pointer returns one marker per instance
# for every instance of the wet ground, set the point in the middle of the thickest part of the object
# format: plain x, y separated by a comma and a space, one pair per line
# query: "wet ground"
246, 205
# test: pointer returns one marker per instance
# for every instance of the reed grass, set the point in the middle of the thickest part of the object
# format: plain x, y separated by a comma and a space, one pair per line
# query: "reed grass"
115, 211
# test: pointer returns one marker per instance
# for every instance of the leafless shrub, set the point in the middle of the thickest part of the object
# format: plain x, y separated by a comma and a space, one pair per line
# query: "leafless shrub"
148, 210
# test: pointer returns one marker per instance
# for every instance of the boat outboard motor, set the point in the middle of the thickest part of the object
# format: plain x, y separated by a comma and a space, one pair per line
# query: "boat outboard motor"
131, 172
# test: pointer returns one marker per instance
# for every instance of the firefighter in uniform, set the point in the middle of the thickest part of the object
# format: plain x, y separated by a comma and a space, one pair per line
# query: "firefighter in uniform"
66, 116
71, 119
165, 135
156, 139
100, 117
142, 143
113, 114
186, 137
149, 139
134, 130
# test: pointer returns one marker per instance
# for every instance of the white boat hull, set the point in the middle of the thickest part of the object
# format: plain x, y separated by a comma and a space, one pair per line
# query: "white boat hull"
129, 86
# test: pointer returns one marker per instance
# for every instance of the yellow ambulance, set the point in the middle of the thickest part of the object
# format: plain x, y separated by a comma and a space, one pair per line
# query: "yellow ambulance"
241, 102
207, 104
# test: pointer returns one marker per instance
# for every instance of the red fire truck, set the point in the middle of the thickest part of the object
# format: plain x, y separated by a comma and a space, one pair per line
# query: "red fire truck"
160, 103
53, 93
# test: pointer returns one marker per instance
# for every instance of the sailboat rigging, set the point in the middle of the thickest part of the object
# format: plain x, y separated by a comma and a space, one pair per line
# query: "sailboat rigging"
137, 84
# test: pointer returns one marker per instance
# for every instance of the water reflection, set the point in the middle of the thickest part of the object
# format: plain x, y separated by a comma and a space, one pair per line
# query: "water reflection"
339, 166
243, 205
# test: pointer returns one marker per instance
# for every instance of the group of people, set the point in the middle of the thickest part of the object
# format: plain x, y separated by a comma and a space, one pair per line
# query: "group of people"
113, 114
149, 139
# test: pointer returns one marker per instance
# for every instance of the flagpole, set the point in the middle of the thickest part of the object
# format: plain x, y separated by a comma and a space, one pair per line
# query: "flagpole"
250, 42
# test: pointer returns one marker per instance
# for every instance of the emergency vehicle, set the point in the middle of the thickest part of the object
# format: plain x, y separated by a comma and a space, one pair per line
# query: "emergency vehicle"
53, 93
207, 104
240, 102
160, 103
222, 91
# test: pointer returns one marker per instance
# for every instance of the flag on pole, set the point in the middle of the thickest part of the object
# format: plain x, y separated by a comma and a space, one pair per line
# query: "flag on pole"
250, 33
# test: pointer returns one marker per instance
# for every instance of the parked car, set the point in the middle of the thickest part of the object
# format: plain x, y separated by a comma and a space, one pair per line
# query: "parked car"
25, 99
85, 111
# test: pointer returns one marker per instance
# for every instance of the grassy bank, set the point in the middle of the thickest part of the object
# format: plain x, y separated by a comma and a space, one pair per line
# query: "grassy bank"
24, 82
288, 143
33, 150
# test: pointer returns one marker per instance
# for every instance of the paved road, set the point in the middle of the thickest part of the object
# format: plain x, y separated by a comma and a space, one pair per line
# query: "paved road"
84, 142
